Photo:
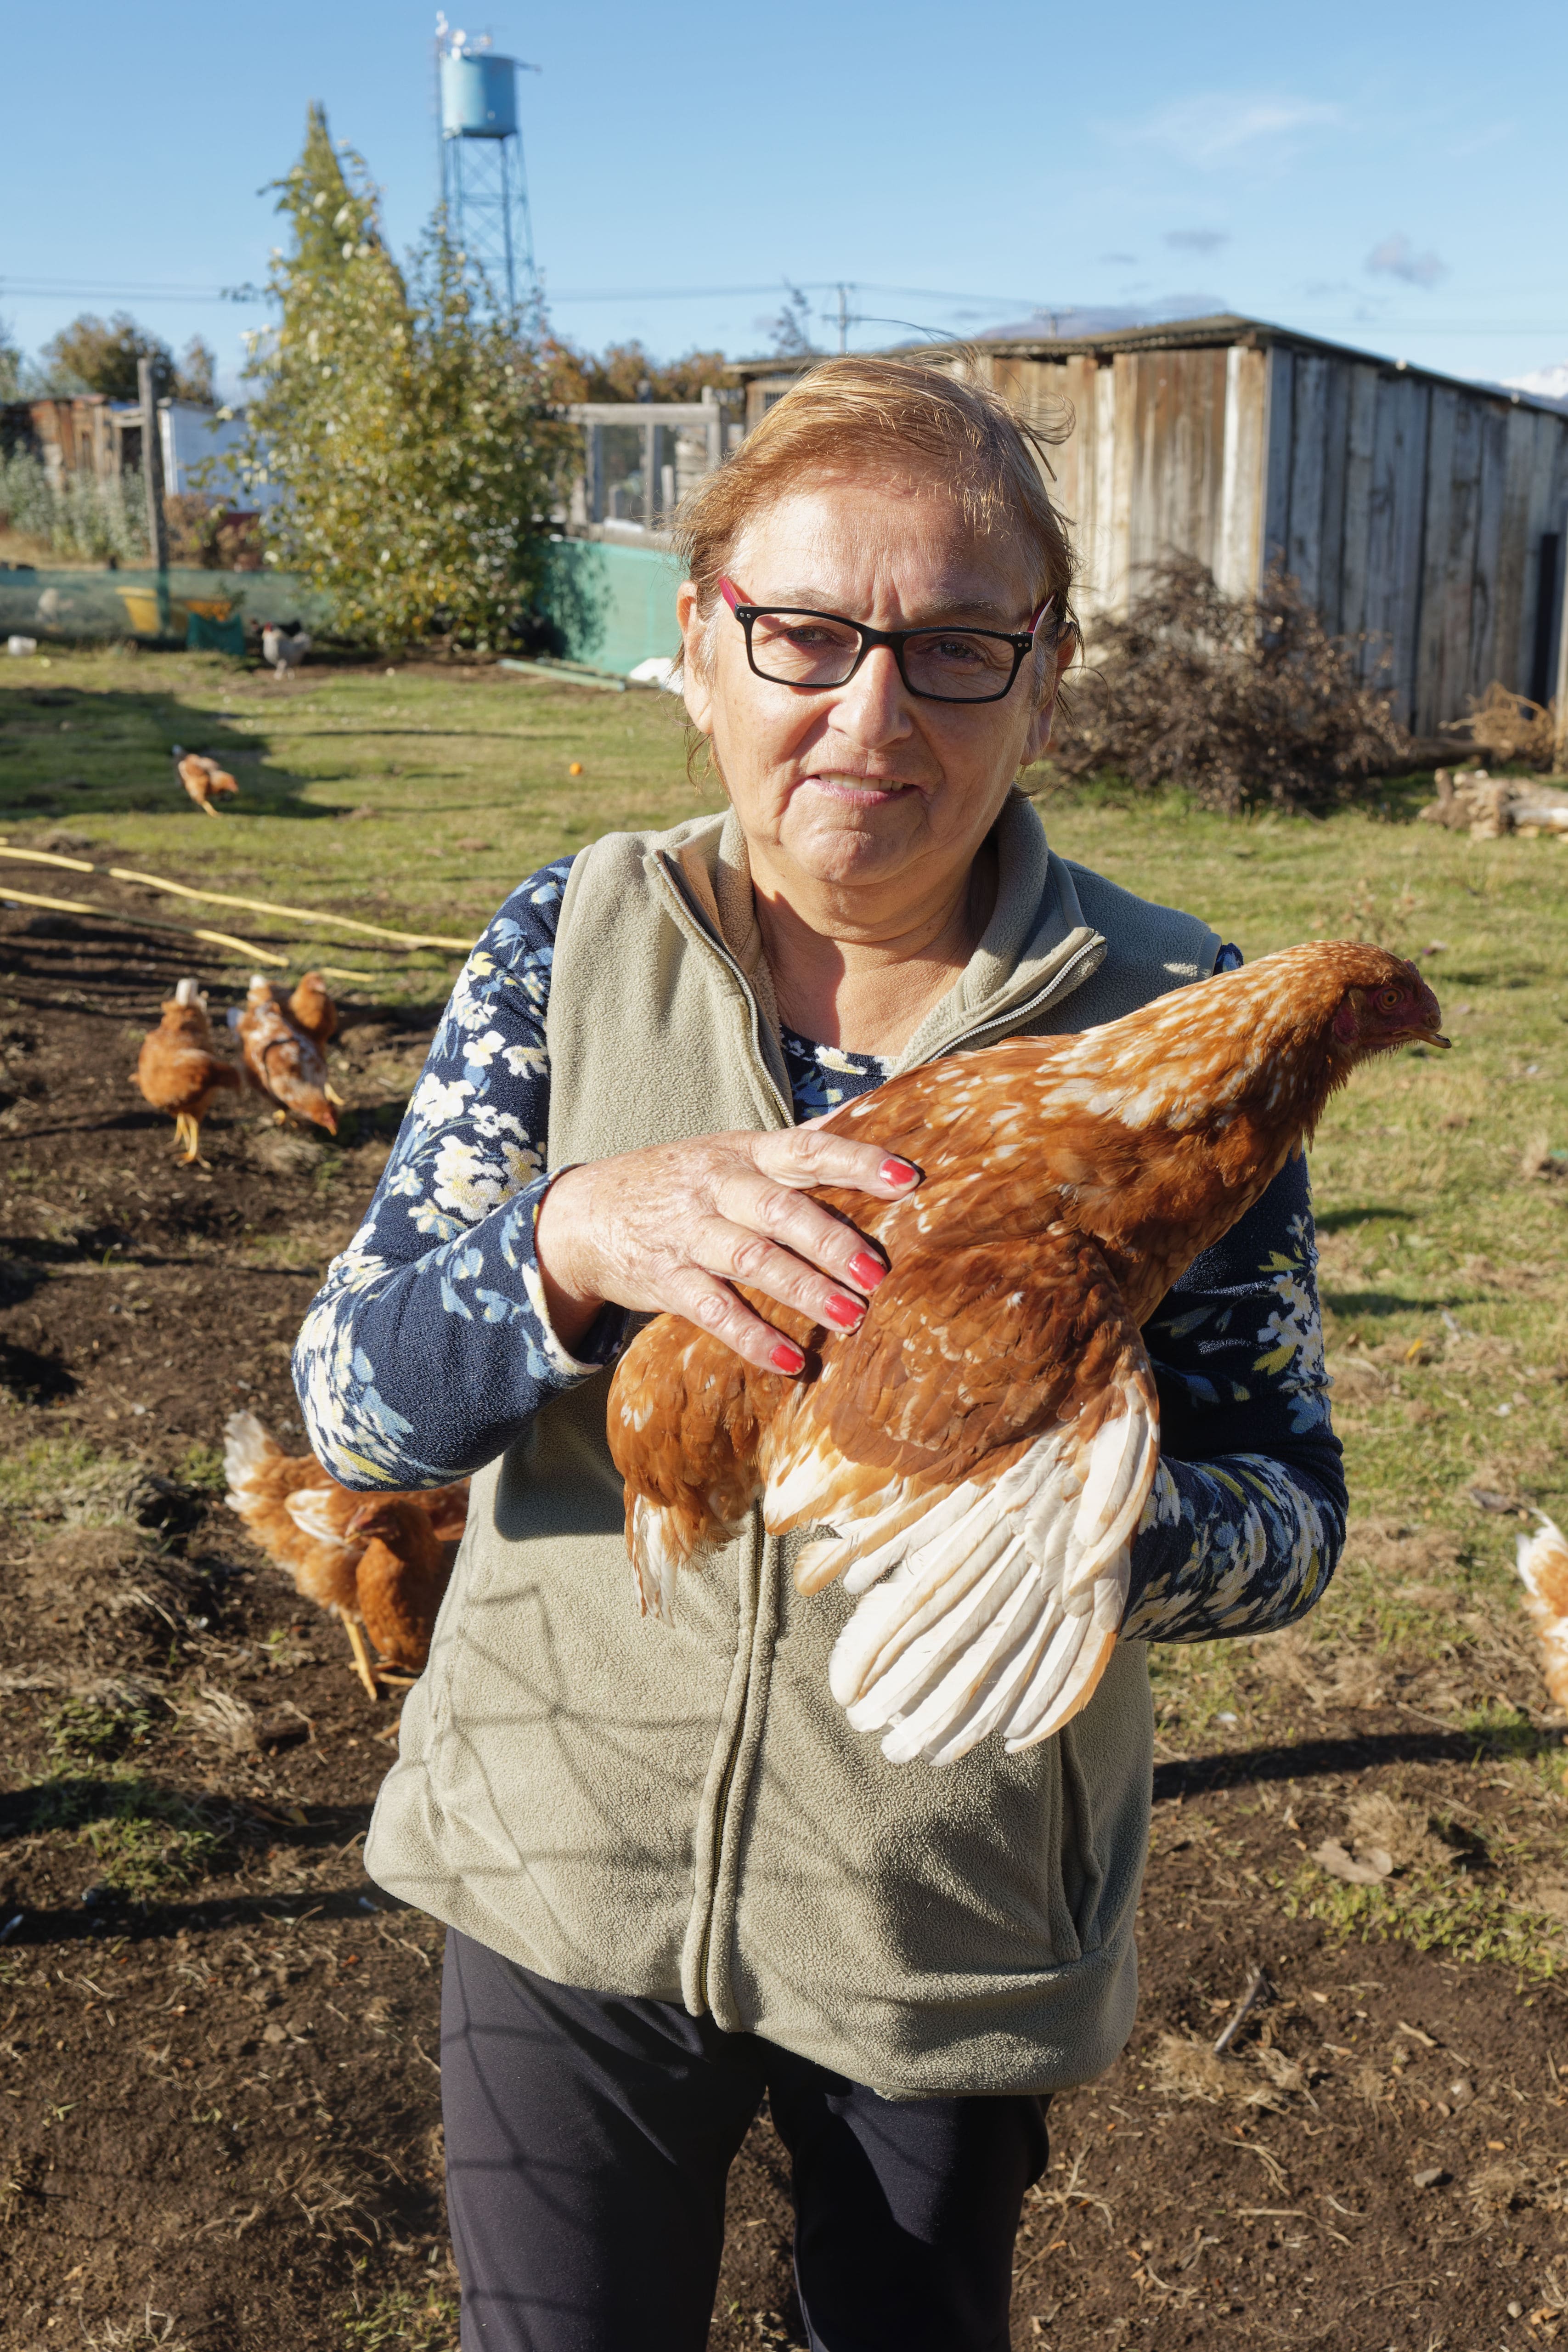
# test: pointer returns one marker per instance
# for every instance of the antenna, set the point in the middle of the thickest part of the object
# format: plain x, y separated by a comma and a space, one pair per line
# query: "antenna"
484, 187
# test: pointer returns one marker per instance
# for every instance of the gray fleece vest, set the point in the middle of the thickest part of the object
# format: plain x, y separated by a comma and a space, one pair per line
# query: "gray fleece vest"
682, 1812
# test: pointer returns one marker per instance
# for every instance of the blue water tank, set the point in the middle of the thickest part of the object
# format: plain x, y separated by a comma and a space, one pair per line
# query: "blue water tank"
478, 96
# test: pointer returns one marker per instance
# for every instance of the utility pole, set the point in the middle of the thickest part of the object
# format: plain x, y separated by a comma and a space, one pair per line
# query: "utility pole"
153, 484
843, 319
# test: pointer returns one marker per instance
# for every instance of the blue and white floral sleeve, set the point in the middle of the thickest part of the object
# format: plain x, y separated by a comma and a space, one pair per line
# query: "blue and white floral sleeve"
393, 1389
1246, 1523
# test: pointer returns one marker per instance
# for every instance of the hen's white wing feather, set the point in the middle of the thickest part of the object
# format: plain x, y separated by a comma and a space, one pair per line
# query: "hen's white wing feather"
999, 1608
310, 1508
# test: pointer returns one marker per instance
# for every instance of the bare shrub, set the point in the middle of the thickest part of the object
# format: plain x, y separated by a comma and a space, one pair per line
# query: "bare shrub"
1246, 701
1509, 727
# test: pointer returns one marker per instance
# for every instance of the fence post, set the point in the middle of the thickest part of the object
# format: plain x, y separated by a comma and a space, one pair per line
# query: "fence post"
153, 484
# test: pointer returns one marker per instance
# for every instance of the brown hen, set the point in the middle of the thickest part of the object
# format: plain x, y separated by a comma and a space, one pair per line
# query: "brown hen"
202, 778
178, 1071
324, 1535
981, 1451
402, 1577
281, 1061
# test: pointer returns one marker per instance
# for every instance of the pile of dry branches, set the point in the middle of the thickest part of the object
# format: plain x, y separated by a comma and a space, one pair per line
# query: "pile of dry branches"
1246, 701
1510, 729
1473, 801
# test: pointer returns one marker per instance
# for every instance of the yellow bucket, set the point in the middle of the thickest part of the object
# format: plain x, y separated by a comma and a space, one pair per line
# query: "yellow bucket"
142, 611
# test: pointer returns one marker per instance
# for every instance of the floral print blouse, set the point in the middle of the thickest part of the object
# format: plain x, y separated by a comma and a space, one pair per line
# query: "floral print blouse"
401, 1385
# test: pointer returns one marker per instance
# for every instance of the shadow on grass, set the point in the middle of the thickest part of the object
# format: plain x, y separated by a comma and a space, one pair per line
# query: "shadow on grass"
1378, 1303
1307, 1759
94, 752
1339, 1221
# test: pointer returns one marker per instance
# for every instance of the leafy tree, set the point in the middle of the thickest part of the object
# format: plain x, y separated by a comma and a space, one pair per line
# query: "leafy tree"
94, 355
623, 370
194, 377
10, 364
411, 435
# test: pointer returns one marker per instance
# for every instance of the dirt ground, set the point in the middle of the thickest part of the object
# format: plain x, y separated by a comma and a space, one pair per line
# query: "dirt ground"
218, 2041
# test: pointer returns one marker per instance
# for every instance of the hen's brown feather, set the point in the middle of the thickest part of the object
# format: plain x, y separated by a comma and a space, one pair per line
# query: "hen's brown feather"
401, 1578
986, 1440
321, 1532
280, 1060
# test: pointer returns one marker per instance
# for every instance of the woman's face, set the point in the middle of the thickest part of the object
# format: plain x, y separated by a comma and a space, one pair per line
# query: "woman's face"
866, 785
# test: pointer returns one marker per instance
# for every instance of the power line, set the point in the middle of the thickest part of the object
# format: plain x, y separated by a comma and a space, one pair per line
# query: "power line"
1027, 306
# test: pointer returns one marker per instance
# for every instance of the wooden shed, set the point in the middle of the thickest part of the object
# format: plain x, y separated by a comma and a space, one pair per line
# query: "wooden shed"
1424, 517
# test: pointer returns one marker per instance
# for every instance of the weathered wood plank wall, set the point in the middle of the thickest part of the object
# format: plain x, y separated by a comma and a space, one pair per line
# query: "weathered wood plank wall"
1411, 510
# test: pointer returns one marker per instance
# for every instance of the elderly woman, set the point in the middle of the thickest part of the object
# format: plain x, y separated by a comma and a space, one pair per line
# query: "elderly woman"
675, 1881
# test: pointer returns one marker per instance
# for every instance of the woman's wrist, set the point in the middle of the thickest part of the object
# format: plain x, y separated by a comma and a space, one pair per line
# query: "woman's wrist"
571, 1300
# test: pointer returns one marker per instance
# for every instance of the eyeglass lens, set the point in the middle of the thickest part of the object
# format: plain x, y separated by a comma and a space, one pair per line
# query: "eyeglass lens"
808, 649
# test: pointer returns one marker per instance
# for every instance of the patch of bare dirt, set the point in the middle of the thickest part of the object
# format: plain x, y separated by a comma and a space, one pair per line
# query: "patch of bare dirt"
218, 2041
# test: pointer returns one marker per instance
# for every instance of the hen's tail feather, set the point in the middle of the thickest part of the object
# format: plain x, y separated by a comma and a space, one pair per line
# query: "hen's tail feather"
247, 1451
1543, 1571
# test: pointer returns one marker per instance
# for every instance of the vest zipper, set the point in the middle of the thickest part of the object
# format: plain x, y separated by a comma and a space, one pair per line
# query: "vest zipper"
1053, 987
720, 947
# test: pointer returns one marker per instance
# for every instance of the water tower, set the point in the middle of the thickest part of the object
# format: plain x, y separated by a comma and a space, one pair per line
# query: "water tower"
483, 184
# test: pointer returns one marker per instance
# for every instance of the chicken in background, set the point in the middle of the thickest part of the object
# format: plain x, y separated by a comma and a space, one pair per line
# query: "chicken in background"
312, 1011
402, 1574
284, 646
1543, 1572
379, 1562
980, 1450
178, 1071
202, 778
281, 1060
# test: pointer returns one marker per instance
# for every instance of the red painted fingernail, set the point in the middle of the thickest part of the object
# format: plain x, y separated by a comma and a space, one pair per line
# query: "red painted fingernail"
868, 1271
787, 1360
845, 1311
897, 1171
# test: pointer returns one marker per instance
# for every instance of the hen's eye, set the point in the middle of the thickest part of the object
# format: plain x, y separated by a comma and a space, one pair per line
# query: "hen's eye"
1388, 1000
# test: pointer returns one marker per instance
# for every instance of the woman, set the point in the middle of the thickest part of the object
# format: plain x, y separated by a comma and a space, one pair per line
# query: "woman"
674, 1880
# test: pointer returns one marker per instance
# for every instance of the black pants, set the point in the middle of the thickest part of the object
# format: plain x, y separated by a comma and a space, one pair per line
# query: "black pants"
588, 2141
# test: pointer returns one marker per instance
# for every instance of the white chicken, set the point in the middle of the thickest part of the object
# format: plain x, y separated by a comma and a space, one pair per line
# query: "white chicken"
284, 646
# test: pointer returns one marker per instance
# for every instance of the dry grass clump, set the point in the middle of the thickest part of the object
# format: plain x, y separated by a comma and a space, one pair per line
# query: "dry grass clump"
1182, 2068
1246, 701
1509, 727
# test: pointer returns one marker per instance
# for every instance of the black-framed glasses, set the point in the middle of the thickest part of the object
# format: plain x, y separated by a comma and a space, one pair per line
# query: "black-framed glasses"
790, 645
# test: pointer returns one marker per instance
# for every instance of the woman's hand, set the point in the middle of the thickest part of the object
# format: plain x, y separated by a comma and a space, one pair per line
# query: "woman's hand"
669, 1230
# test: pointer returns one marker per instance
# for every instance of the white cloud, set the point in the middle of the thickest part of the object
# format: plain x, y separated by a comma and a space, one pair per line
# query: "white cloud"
1547, 382
1216, 126
1197, 240
1397, 257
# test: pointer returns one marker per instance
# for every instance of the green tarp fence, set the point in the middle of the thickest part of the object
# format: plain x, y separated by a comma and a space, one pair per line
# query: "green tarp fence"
68, 607
612, 606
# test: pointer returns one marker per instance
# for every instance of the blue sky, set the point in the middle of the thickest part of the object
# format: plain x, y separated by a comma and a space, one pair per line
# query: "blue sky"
1387, 175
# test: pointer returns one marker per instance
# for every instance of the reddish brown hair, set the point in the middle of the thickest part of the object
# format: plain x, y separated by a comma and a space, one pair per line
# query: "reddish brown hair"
903, 415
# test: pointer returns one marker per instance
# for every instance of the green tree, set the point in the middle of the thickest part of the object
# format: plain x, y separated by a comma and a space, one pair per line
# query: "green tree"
623, 370
95, 355
410, 433
10, 364
194, 376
